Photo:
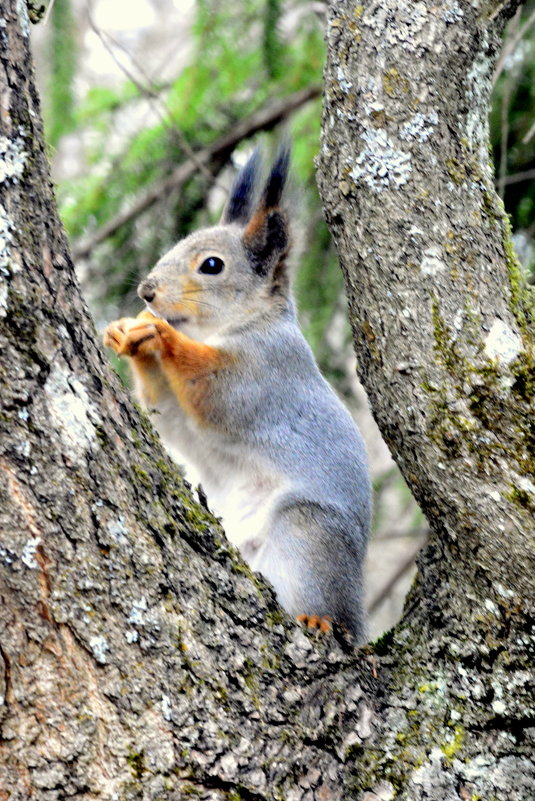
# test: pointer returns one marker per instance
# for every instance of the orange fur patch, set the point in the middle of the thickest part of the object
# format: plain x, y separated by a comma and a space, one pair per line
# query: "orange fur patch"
163, 358
255, 226
316, 622
149, 380
190, 368
191, 290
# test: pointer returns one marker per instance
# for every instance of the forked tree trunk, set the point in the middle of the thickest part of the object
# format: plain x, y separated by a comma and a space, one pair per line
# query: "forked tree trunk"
139, 657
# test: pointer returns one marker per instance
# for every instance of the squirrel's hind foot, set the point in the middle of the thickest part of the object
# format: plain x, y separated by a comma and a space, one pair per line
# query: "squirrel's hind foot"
322, 624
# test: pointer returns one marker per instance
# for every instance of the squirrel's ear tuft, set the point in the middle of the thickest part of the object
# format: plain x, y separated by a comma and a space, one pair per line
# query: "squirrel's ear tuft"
240, 203
275, 184
266, 235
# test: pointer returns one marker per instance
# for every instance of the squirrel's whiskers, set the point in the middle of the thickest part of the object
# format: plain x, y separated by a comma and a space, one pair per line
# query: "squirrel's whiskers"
237, 397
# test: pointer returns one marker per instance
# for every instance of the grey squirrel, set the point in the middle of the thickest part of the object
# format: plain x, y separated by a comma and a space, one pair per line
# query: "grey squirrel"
236, 395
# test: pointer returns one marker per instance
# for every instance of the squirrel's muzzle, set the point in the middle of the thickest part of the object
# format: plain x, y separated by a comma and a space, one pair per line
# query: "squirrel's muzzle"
147, 291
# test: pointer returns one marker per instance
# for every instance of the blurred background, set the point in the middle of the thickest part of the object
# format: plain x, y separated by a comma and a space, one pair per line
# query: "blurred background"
151, 105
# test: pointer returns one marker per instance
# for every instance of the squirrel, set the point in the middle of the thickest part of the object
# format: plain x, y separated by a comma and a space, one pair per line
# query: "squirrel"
235, 393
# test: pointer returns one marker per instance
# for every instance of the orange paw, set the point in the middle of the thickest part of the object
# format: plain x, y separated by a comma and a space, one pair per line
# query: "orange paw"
316, 622
146, 315
116, 333
137, 337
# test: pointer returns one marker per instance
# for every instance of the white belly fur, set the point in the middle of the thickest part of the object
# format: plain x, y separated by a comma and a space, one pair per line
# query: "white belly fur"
243, 496
240, 490
246, 506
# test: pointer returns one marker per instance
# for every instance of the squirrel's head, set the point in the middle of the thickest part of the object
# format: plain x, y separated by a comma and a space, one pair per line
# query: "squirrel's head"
223, 276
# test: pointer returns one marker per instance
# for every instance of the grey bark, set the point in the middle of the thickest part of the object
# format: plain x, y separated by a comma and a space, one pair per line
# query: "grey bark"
444, 332
139, 657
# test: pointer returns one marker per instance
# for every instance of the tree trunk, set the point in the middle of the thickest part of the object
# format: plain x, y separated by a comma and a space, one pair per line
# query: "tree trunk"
140, 659
444, 333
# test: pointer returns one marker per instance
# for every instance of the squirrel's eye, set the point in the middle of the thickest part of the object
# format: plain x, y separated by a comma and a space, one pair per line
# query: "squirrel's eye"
212, 266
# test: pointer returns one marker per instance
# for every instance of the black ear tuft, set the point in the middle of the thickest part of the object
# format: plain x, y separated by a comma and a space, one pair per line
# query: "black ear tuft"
277, 178
268, 244
240, 202
265, 237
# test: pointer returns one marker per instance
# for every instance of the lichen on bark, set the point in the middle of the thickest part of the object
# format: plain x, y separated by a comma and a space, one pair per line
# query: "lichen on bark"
444, 336
139, 659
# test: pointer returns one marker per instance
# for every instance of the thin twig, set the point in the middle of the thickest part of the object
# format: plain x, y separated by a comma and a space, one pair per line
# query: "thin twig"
527, 138
498, 9
514, 36
146, 90
518, 177
262, 120
387, 588
103, 36
48, 12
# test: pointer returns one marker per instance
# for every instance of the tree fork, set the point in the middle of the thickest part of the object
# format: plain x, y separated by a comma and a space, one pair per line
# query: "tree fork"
141, 659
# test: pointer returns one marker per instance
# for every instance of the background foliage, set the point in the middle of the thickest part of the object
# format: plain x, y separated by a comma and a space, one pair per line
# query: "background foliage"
116, 144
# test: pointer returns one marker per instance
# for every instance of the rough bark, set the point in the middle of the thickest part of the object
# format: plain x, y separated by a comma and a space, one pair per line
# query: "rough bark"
139, 657
444, 334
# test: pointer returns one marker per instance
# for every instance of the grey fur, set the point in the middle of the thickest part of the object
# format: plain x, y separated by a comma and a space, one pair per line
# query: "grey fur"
279, 457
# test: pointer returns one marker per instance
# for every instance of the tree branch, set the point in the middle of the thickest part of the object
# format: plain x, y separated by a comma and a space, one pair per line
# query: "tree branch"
514, 37
518, 177
403, 567
262, 120
431, 282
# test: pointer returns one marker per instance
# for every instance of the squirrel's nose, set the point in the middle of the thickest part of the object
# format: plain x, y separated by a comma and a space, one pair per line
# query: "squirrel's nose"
147, 291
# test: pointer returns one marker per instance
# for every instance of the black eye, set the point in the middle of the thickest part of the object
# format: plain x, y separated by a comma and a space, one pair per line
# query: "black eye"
212, 266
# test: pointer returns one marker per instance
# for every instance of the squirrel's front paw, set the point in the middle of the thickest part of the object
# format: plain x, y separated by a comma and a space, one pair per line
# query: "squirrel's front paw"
139, 337
116, 333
